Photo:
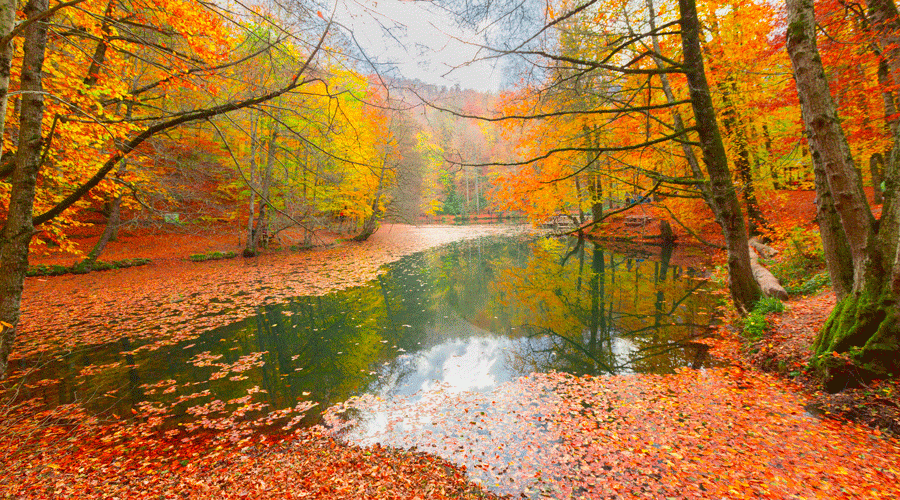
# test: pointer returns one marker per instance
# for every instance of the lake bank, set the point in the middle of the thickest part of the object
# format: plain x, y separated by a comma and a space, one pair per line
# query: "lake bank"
611, 436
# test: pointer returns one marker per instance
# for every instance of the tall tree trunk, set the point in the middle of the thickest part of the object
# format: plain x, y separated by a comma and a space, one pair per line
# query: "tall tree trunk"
372, 223
468, 198
596, 191
757, 224
99, 58
477, 193
890, 112
580, 191
595, 186
838, 258
777, 182
18, 229
249, 247
7, 23
866, 321
825, 135
677, 121
112, 223
261, 229
723, 198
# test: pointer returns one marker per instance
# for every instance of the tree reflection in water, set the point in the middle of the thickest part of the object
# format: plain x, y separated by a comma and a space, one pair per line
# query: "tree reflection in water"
605, 312
467, 317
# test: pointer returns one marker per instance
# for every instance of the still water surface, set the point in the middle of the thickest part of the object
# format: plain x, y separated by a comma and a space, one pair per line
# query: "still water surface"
466, 317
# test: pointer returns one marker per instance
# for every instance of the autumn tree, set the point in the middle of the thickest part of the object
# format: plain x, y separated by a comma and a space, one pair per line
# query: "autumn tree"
630, 71
865, 323
86, 42
18, 228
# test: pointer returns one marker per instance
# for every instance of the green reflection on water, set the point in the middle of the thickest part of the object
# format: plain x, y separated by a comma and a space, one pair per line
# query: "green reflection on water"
468, 316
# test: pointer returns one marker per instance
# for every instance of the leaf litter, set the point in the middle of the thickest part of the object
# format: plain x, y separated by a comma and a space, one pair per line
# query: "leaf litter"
722, 432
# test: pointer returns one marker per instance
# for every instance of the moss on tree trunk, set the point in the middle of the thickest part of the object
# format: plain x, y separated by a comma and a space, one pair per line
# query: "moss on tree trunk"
866, 325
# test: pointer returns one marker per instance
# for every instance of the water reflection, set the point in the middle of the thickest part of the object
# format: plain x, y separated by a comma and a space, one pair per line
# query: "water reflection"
594, 311
466, 318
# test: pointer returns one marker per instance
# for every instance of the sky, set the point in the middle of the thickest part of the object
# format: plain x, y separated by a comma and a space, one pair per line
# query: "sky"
425, 45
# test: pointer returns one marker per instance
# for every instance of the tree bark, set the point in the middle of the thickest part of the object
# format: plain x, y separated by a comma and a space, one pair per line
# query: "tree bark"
18, 229
112, 224
865, 321
876, 166
677, 121
374, 220
723, 198
249, 248
261, 229
838, 259
757, 224
7, 23
114, 218
595, 183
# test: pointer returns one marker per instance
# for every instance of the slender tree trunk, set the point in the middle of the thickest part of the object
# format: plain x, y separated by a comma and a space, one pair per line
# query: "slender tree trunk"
260, 230
838, 259
477, 193
7, 23
678, 123
249, 247
468, 198
776, 175
757, 224
18, 228
595, 189
112, 223
580, 191
866, 321
723, 198
890, 112
883, 15
596, 198
595, 186
372, 222
99, 58
677, 120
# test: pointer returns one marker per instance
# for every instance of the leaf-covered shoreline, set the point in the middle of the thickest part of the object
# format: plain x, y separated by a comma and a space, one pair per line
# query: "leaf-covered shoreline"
724, 432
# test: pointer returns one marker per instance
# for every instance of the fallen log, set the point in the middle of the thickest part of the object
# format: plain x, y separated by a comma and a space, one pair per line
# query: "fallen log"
768, 283
765, 250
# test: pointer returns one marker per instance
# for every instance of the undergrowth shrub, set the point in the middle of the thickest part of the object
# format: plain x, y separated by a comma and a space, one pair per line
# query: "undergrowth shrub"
801, 264
813, 285
755, 323
200, 257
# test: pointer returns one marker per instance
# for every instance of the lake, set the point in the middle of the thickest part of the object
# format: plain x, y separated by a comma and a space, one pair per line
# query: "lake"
463, 319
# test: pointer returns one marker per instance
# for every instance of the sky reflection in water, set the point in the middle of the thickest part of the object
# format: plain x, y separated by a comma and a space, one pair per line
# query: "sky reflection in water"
462, 319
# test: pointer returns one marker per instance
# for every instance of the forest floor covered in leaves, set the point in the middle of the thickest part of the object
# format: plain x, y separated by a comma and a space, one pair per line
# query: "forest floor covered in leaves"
786, 348
66, 453
735, 431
